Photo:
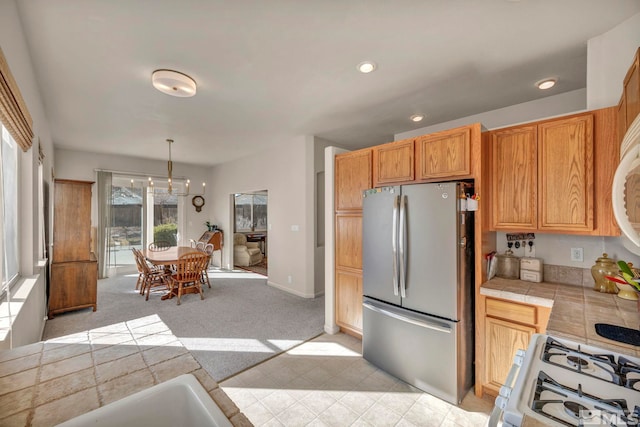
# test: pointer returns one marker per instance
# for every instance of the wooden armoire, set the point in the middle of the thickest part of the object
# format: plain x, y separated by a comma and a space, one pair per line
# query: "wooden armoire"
74, 268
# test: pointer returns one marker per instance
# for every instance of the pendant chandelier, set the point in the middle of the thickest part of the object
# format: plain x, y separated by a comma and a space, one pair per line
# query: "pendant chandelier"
186, 192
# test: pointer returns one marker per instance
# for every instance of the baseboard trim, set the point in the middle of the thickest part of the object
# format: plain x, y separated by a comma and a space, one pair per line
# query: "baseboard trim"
289, 290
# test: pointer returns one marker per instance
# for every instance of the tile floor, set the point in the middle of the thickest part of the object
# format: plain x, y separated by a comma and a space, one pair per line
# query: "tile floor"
326, 382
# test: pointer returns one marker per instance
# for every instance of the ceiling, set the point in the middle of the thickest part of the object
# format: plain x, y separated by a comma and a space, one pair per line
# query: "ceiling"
270, 70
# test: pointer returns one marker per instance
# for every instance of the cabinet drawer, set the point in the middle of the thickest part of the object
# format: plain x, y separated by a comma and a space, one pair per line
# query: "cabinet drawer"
511, 311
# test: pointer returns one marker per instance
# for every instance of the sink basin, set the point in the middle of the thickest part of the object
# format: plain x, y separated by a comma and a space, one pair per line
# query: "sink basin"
180, 401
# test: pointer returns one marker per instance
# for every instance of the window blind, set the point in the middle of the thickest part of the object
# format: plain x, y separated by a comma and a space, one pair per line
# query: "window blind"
13, 110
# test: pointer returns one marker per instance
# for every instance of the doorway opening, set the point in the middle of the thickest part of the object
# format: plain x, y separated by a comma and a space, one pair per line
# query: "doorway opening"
250, 234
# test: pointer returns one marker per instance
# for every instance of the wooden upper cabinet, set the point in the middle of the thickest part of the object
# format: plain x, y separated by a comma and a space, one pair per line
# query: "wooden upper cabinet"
72, 221
393, 163
632, 90
444, 154
352, 176
621, 118
565, 174
514, 178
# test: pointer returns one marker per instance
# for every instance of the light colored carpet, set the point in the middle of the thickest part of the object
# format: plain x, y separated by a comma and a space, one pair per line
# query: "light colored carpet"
241, 321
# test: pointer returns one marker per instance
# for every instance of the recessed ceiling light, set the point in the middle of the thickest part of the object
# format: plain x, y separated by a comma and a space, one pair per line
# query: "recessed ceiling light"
173, 83
417, 117
546, 84
366, 67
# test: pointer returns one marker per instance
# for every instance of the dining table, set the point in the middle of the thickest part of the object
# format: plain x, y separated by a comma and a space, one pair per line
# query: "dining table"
167, 257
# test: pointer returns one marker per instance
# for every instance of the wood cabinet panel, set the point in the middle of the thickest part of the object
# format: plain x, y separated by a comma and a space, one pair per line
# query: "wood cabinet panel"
514, 178
565, 174
352, 176
349, 241
72, 221
632, 90
503, 339
444, 154
349, 300
508, 310
73, 286
621, 114
393, 162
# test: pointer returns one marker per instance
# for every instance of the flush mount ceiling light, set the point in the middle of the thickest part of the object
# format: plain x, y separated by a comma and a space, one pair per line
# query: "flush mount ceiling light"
366, 67
173, 83
417, 117
546, 84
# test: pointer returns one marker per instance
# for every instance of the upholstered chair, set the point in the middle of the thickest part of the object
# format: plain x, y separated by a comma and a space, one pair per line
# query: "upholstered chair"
245, 253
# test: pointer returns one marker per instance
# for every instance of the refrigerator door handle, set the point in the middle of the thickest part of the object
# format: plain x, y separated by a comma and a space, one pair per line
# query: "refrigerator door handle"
436, 326
394, 244
402, 243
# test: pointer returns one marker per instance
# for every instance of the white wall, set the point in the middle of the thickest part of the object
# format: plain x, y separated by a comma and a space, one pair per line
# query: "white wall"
610, 56
29, 322
319, 213
81, 165
286, 173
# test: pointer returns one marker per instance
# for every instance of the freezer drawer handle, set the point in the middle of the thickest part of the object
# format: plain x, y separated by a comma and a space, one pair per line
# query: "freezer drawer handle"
402, 243
422, 323
394, 244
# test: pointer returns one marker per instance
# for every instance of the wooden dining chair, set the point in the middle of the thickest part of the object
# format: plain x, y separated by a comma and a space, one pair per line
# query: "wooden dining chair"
188, 275
159, 245
208, 249
139, 267
152, 277
200, 246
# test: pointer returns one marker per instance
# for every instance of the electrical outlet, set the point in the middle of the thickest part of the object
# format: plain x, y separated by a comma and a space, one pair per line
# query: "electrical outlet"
577, 254
289, 279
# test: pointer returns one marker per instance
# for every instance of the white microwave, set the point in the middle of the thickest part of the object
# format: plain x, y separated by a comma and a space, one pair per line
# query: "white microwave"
626, 188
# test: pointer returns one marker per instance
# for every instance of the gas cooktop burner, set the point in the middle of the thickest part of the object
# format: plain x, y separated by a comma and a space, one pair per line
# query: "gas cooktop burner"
559, 403
601, 366
577, 362
574, 409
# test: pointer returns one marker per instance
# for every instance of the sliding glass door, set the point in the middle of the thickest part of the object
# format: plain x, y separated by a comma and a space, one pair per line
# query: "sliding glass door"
141, 214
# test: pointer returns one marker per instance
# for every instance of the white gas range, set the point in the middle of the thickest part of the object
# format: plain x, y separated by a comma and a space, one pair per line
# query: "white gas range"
559, 382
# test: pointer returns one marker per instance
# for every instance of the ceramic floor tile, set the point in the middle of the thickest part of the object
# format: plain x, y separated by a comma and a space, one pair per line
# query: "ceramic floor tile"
278, 401
379, 415
466, 418
358, 402
296, 415
257, 413
318, 401
398, 402
104, 339
423, 415
338, 415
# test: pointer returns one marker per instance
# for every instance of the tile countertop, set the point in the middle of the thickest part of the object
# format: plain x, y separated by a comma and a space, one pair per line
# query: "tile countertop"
49, 382
574, 309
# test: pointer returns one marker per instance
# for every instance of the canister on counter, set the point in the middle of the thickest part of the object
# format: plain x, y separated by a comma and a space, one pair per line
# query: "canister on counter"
508, 265
531, 269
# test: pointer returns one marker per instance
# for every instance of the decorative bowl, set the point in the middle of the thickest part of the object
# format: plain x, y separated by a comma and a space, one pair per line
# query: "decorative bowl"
627, 291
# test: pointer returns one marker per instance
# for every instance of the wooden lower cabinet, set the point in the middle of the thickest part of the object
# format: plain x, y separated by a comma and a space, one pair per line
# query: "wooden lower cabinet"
73, 286
508, 326
349, 301
503, 339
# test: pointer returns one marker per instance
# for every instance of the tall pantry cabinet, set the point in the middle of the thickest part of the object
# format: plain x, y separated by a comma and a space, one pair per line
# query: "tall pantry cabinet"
352, 176
74, 268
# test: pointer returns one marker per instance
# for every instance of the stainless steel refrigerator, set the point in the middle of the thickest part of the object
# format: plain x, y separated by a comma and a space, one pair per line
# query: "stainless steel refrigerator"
418, 286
